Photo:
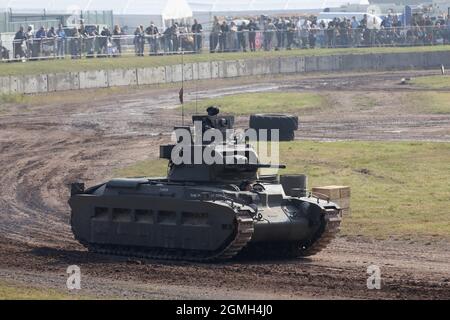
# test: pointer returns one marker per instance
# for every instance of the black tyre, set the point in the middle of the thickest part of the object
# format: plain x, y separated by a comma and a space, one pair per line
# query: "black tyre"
274, 121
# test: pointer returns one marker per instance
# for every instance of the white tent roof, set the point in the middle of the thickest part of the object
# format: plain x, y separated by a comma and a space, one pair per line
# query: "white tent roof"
267, 5
168, 9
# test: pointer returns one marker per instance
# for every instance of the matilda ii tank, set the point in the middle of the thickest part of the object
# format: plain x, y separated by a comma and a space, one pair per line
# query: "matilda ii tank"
204, 211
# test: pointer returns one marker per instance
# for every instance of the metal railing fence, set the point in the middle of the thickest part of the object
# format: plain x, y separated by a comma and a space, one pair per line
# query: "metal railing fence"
80, 46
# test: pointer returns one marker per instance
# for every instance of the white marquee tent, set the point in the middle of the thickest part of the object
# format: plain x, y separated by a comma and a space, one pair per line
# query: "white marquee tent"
267, 5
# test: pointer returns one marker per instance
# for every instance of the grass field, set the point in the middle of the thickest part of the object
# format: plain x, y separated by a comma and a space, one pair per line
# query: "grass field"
420, 102
433, 82
399, 189
430, 102
67, 65
9, 291
267, 102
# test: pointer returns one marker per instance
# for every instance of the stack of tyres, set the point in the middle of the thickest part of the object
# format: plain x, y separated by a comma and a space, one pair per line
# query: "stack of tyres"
286, 124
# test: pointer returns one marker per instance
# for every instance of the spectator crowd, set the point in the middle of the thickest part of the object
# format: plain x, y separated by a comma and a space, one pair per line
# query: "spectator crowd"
238, 35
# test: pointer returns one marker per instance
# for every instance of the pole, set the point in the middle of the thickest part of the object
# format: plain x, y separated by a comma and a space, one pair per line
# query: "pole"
182, 87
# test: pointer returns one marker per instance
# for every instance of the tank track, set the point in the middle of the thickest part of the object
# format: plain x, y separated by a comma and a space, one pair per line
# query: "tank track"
329, 230
243, 234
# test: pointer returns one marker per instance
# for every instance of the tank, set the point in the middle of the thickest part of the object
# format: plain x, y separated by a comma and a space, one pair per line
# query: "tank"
205, 212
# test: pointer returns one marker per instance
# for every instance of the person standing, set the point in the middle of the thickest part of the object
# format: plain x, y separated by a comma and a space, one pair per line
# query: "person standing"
90, 37
233, 43
60, 42
214, 36
19, 38
290, 33
356, 32
152, 33
224, 30
116, 36
242, 36
139, 41
280, 25
197, 29
252, 28
75, 48
41, 34
269, 31
168, 40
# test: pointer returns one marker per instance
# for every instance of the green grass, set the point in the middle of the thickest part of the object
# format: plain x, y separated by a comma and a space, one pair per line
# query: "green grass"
67, 65
432, 82
148, 168
431, 102
9, 291
399, 189
12, 98
266, 102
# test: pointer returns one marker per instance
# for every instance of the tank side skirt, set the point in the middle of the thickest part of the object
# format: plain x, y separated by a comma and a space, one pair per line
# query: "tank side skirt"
242, 235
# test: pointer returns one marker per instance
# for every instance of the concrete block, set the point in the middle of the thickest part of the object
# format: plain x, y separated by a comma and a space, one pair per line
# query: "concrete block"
5, 85
311, 64
242, 68
93, 79
195, 71
221, 69
274, 65
174, 73
215, 69
230, 69
301, 65
436, 59
35, 83
188, 70
29, 84
204, 70
16, 85
63, 81
259, 67
288, 64
360, 62
146, 76
122, 77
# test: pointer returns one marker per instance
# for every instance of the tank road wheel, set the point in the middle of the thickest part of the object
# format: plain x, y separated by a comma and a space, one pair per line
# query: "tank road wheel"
286, 124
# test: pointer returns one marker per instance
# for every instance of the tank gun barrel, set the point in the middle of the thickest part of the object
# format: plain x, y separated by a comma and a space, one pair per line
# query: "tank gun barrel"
258, 166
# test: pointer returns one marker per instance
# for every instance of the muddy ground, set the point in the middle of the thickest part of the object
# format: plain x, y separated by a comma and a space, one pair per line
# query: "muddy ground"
45, 147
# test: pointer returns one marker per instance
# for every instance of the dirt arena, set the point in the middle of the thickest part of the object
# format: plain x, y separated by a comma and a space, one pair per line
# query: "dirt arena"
44, 148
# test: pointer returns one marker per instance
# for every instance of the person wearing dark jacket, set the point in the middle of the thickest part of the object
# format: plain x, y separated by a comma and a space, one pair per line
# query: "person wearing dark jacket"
252, 28
105, 35
60, 42
242, 30
152, 35
224, 29
197, 31
139, 41
19, 38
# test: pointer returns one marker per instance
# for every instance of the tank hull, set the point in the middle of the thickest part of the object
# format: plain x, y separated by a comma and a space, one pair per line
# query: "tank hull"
156, 219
